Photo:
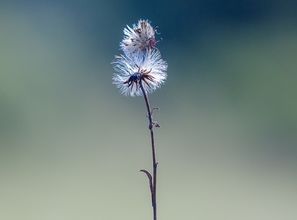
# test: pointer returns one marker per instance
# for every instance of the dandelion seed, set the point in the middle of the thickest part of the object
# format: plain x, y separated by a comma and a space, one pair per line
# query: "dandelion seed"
139, 38
131, 72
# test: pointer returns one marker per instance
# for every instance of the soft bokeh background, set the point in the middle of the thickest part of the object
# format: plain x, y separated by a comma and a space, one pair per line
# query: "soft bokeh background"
71, 145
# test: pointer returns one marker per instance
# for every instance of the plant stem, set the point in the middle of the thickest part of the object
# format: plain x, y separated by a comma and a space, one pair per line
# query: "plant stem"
155, 163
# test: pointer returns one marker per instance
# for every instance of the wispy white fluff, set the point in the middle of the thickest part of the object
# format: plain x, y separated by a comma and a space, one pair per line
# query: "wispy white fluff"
148, 69
139, 38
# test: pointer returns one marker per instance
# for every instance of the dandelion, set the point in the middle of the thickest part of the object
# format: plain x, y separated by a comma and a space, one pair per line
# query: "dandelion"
139, 38
138, 72
133, 72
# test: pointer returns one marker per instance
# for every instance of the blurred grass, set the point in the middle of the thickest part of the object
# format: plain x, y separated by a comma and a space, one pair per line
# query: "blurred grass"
71, 146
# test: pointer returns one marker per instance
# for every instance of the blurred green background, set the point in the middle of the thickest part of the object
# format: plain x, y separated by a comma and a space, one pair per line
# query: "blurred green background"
71, 145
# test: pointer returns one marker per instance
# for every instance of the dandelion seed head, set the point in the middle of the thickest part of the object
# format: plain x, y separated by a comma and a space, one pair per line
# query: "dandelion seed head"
133, 71
139, 38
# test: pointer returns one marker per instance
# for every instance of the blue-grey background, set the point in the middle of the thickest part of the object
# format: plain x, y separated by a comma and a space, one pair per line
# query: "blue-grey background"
71, 145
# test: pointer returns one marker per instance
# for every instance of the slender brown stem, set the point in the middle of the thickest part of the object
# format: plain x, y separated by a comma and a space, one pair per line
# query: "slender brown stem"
155, 163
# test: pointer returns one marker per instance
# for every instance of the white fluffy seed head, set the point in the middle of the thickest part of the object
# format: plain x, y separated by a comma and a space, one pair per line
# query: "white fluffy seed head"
139, 38
149, 68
